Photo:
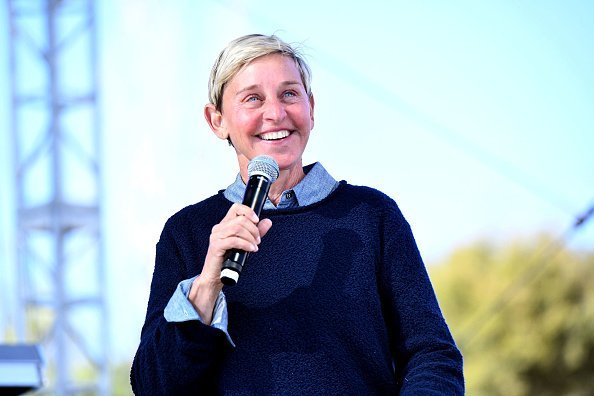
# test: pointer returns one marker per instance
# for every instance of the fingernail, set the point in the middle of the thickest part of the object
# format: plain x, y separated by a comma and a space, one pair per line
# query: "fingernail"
255, 248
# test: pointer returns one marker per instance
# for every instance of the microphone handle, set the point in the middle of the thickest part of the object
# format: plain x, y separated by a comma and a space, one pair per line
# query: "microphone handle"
255, 195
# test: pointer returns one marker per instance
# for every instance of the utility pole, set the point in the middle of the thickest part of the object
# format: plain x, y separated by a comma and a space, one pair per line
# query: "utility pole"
57, 169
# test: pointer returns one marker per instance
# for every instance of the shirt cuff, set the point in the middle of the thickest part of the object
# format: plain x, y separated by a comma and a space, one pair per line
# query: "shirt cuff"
180, 309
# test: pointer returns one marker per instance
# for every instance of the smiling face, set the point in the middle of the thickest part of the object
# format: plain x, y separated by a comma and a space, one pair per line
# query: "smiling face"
265, 111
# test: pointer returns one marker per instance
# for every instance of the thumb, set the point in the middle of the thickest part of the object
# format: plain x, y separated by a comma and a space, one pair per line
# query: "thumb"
263, 226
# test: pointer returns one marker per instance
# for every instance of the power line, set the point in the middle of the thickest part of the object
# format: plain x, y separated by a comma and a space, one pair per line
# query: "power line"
446, 134
361, 82
538, 264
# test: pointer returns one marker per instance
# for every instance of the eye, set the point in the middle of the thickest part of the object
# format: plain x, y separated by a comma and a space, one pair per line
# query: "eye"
252, 98
289, 94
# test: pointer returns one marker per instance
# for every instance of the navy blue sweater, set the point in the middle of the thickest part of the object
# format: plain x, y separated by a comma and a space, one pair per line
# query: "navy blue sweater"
336, 301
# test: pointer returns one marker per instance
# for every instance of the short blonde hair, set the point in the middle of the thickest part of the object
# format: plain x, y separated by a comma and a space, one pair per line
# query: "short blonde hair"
241, 52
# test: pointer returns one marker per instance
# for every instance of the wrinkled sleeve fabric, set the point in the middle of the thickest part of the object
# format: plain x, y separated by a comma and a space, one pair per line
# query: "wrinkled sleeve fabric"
175, 357
427, 360
180, 309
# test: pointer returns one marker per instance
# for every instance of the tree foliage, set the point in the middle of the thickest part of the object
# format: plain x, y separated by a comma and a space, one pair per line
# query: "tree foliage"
121, 379
523, 316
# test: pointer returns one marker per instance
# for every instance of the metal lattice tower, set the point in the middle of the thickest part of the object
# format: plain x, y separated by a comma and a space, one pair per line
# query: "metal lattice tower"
55, 129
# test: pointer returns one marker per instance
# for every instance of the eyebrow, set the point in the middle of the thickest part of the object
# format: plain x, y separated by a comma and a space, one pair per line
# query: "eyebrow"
254, 86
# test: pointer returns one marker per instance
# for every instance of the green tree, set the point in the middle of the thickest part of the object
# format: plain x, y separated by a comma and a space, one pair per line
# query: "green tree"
523, 316
120, 377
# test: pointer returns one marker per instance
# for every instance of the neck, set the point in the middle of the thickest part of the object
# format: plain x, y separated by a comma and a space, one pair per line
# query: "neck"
287, 179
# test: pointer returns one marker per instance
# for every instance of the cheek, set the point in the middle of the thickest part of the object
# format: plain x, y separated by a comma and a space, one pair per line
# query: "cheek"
308, 119
246, 122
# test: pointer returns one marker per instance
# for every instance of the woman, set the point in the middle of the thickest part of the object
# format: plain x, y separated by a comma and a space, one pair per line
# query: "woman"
335, 300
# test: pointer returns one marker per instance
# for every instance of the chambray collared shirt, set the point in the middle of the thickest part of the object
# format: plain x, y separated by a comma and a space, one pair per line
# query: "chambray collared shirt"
315, 186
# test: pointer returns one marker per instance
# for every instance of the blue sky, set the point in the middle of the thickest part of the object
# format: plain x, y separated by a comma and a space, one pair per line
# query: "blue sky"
477, 117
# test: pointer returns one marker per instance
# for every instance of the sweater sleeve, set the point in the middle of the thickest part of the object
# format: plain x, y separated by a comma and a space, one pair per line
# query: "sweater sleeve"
174, 357
426, 357
180, 309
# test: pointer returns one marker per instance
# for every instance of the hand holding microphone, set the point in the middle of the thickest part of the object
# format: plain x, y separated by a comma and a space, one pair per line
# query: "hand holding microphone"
262, 172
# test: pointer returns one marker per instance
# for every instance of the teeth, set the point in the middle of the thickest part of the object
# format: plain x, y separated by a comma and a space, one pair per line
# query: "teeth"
274, 135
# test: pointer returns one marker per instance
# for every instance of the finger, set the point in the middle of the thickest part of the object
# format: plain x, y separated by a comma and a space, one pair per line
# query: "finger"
245, 236
263, 226
234, 234
236, 226
241, 210
221, 246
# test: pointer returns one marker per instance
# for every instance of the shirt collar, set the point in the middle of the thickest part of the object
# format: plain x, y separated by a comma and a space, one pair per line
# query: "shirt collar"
315, 186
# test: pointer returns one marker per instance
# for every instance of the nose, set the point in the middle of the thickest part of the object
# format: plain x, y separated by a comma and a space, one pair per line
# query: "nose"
274, 110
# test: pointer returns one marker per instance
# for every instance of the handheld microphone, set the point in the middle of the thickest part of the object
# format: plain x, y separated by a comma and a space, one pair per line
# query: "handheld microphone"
262, 172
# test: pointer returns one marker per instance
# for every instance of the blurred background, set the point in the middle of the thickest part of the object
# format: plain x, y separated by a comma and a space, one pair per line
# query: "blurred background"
476, 117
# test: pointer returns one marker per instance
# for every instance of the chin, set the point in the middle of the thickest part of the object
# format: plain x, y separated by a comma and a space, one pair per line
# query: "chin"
288, 164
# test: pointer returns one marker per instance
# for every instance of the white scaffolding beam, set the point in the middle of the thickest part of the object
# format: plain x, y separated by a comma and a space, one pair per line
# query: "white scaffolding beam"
56, 151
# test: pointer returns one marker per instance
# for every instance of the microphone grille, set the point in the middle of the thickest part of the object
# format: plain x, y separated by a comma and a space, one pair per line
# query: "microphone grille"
265, 166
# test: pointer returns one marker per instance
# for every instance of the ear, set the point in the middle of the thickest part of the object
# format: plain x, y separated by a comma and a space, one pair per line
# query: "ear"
311, 110
214, 118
